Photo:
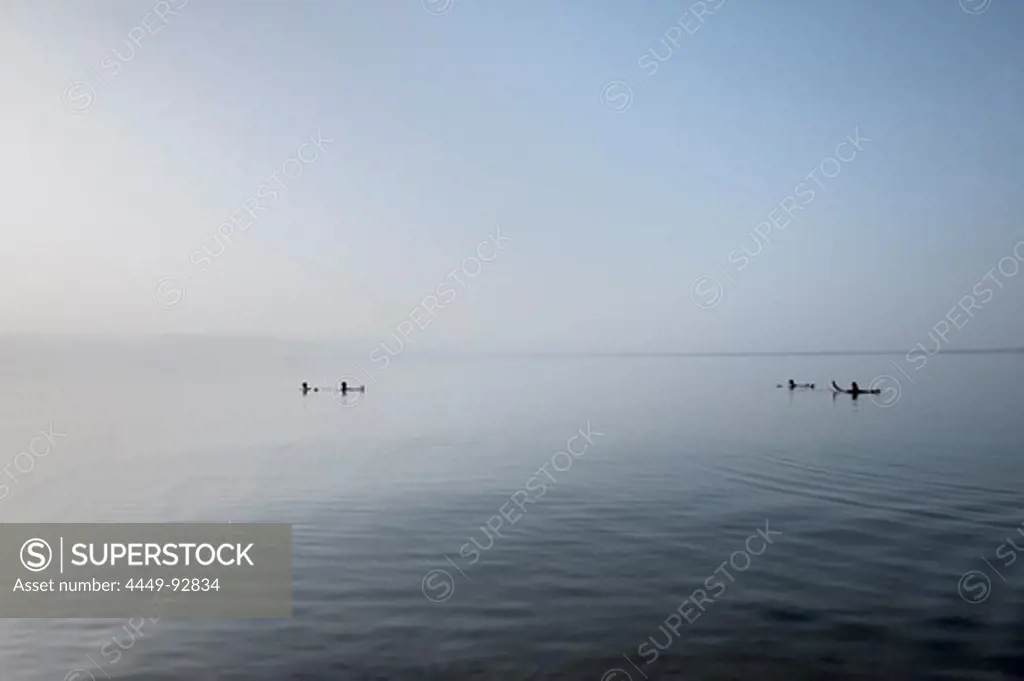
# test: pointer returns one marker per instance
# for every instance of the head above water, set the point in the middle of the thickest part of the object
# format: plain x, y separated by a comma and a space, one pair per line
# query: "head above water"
792, 383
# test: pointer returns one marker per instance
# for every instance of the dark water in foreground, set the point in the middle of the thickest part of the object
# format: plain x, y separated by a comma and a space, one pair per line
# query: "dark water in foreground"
877, 509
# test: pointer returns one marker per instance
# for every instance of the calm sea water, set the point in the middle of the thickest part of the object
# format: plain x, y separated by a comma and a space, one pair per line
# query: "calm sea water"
876, 509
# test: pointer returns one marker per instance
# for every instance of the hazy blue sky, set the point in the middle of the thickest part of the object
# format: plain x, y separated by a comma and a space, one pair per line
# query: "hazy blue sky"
448, 121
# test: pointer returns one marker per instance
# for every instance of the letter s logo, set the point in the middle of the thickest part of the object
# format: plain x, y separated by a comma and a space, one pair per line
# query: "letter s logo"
36, 555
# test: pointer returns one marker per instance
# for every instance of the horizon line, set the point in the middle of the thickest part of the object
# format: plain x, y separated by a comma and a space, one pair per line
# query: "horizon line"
512, 353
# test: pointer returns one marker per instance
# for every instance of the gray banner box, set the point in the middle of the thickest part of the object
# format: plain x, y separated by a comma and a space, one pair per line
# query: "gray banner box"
217, 577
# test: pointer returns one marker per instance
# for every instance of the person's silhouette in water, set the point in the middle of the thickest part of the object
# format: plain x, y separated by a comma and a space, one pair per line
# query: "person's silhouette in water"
856, 390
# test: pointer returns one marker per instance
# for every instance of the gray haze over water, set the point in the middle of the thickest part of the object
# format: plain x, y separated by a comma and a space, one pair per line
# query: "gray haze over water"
496, 216
893, 511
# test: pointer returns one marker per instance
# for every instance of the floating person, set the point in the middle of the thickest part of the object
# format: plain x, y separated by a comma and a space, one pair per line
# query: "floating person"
357, 389
855, 390
793, 385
